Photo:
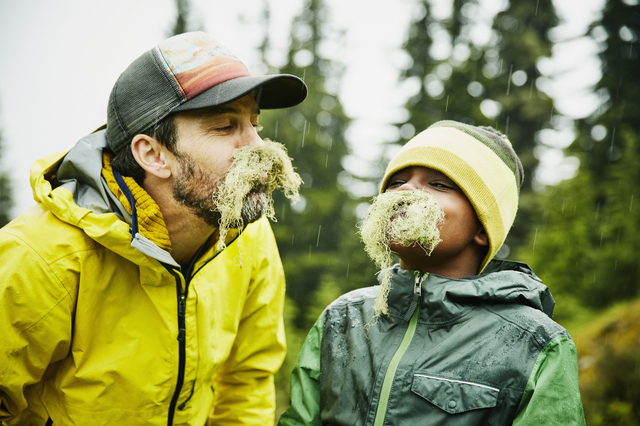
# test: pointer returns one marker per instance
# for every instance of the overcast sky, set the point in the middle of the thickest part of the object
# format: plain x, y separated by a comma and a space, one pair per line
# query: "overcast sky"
60, 59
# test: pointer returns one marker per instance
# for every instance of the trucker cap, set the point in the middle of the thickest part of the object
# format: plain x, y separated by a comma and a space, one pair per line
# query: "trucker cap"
186, 72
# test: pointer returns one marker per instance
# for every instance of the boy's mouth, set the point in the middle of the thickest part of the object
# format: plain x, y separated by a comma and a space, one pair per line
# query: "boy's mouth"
399, 219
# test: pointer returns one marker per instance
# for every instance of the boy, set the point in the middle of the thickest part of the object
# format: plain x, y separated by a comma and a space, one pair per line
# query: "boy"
450, 336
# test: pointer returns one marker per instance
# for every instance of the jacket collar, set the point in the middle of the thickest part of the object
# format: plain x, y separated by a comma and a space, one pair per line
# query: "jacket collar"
146, 217
444, 300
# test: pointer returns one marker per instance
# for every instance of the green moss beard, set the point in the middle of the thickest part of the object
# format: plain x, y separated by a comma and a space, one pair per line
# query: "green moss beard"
243, 195
404, 218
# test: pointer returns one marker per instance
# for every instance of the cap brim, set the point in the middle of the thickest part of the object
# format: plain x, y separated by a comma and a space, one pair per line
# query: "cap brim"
278, 91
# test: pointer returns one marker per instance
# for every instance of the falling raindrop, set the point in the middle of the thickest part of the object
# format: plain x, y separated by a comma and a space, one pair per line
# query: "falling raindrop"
531, 89
446, 105
318, 239
613, 136
348, 264
304, 132
509, 81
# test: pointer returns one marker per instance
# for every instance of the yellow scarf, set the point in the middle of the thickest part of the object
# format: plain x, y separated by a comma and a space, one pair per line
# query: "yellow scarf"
150, 221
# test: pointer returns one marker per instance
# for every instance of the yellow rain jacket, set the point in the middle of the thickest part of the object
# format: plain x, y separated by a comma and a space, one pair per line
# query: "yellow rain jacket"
98, 325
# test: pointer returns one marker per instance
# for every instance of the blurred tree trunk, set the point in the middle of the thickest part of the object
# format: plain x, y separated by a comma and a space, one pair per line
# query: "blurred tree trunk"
6, 200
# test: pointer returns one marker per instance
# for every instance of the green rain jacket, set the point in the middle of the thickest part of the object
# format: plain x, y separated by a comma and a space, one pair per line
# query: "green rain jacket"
476, 351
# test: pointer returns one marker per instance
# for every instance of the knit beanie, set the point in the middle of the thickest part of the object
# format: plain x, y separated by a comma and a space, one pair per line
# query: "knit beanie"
481, 161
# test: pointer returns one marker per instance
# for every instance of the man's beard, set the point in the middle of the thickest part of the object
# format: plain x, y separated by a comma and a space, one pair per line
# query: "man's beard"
243, 195
195, 189
402, 218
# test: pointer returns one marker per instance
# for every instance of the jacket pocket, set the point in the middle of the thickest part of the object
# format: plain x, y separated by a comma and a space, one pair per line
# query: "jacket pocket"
454, 396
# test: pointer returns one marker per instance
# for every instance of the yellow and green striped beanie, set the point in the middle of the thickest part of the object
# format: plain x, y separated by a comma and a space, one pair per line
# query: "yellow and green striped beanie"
481, 161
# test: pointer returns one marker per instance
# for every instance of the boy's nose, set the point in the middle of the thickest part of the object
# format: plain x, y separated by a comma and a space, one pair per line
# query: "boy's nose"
412, 186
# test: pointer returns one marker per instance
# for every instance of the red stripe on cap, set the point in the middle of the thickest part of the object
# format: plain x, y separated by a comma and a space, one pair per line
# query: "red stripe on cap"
200, 79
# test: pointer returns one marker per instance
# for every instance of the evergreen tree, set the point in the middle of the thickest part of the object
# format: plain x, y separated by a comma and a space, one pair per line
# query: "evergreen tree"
317, 237
589, 249
483, 82
6, 201
311, 234
183, 21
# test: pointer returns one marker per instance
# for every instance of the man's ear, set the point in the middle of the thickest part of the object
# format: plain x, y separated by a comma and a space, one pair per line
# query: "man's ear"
151, 155
481, 238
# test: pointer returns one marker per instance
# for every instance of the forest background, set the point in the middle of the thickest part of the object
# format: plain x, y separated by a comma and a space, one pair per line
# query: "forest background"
499, 63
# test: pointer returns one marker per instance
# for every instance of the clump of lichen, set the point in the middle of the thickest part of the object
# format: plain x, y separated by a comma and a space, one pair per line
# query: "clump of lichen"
404, 218
246, 179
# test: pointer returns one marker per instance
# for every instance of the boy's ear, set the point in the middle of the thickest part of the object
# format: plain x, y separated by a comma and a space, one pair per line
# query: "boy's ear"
151, 155
481, 238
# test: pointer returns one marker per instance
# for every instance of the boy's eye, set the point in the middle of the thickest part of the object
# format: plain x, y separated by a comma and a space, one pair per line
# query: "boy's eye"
441, 185
394, 184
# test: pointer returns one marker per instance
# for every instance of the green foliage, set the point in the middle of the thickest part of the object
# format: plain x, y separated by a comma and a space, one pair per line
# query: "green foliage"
312, 234
609, 357
317, 238
585, 230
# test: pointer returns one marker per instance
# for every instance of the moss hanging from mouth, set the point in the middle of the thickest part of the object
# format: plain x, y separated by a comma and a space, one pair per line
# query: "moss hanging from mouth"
404, 218
247, 175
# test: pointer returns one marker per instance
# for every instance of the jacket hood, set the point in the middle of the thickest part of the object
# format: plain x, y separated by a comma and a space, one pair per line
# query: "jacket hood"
445, 299
71, 186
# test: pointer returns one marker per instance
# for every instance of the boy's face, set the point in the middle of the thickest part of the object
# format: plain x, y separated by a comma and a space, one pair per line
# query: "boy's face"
461, 232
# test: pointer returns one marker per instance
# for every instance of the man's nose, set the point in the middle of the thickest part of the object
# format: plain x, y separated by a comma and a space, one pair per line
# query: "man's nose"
251, 138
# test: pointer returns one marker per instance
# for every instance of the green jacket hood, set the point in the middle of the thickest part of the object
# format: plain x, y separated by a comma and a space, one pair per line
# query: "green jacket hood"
502, 282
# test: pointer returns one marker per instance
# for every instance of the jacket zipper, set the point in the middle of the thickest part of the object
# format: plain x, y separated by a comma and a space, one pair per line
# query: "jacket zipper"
414, 310
182, 308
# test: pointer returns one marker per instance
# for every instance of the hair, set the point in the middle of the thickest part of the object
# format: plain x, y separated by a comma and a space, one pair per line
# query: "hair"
164, 131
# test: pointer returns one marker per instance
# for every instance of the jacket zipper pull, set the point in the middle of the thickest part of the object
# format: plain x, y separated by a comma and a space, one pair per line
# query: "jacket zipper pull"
417, 288
417, 294
182, 308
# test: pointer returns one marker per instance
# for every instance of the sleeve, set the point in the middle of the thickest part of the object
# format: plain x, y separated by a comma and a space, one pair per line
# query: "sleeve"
304, 395
552, 395
244, 385
35, 324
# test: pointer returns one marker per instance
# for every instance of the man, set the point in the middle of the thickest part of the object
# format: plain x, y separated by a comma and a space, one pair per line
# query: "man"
450, 336
145, 287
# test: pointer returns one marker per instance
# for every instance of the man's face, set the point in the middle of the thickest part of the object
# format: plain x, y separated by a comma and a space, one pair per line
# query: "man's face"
207, 139
461, 225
